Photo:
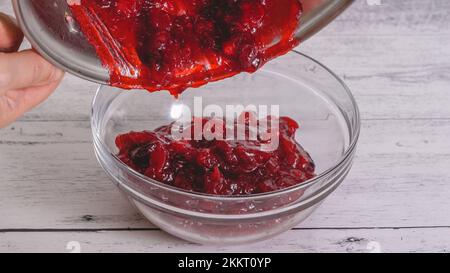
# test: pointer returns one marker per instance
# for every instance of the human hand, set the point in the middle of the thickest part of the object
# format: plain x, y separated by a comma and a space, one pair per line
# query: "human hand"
26, 79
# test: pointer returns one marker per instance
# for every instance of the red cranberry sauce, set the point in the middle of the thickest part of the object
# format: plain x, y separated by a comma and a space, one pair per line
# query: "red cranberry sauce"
176, 44
219, 167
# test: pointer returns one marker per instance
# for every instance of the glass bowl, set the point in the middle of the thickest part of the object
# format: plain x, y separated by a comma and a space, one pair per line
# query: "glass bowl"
303, 89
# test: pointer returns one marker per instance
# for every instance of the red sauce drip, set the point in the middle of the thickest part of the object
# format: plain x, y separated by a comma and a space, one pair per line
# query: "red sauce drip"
176, 44
218, 167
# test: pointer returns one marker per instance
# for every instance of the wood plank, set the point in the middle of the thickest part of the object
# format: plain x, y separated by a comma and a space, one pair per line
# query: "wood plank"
400, 17
384, 89
5, 6
386, 84
295, 241
50, 179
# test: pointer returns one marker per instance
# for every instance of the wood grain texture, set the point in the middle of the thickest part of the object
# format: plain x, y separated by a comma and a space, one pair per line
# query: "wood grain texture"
294, 241
395, 58
417, 151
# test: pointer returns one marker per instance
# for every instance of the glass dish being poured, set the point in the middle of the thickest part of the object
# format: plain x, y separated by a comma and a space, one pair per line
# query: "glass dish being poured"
54, 32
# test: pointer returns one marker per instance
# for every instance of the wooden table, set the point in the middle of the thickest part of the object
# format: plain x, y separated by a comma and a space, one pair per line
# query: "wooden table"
396, 59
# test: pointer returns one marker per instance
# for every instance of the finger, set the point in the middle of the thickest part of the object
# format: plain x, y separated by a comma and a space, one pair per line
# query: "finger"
17, 102
26, 69
11, 36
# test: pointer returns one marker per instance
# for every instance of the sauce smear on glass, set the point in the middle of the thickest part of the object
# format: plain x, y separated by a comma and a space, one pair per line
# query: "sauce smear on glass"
176, 44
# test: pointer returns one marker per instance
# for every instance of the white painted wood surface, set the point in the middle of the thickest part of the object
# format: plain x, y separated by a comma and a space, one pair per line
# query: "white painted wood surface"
396, 59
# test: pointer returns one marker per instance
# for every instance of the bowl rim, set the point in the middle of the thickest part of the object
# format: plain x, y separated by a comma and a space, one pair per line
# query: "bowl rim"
339, 163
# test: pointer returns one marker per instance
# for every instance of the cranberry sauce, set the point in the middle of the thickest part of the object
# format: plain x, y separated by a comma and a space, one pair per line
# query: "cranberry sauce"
219, 167
176, 44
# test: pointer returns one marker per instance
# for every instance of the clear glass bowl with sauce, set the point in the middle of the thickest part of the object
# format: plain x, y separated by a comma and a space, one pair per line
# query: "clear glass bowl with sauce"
304, 89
